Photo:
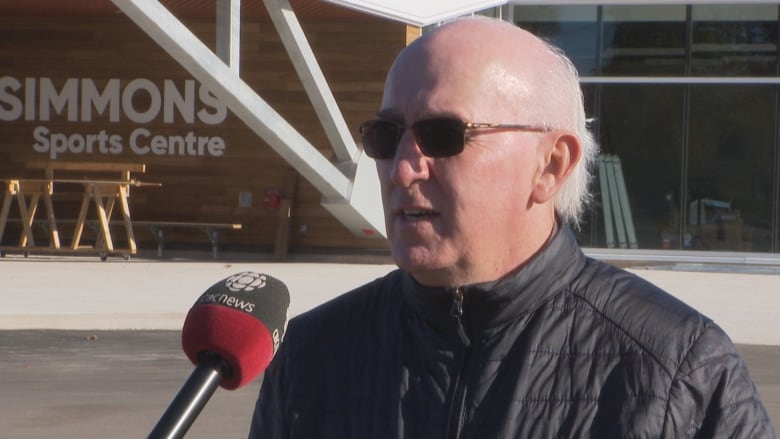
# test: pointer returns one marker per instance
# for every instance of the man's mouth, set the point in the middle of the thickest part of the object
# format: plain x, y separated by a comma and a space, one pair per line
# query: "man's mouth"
418, 214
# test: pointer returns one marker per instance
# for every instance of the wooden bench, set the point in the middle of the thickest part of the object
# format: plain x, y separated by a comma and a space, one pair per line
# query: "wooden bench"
102, 184
124, 170
157, 228
211, 230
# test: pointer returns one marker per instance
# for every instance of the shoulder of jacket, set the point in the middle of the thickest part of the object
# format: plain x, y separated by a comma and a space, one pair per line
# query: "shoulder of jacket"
657, 322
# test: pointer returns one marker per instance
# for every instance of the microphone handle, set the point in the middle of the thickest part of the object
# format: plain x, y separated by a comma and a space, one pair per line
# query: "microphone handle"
192, 397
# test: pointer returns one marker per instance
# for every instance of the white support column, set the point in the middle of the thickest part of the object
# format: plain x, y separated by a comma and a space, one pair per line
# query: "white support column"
313, 79
356, 206
207, 68
229, 33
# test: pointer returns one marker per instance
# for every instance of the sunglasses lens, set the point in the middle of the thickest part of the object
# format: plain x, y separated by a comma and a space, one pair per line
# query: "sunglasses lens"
439, 137
380, 138
435, 137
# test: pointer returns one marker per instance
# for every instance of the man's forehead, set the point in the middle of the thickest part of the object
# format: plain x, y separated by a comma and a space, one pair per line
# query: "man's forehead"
415, 95
416, 91
420, 113
480, 36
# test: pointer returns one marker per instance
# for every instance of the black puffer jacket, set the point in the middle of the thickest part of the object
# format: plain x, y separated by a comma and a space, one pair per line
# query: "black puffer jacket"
565, 347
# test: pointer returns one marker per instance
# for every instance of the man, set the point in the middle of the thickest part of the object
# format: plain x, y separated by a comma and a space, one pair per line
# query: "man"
496, 325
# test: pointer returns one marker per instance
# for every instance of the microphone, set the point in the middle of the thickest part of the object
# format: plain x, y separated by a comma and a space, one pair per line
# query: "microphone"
230, 334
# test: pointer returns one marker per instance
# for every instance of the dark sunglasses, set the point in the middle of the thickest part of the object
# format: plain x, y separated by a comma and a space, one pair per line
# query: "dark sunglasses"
439, 137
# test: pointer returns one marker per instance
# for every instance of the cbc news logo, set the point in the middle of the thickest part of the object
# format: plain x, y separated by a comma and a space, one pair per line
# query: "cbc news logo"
246, 282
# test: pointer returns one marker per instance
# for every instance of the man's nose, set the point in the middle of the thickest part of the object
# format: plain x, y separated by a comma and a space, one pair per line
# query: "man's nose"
409, 163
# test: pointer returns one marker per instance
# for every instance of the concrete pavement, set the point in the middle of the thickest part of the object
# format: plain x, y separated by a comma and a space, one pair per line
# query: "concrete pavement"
43, 292
84, 293
104, 384
117, 384
92, 349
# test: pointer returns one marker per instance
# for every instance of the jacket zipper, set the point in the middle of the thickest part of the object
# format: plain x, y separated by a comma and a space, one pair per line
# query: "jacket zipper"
459, 396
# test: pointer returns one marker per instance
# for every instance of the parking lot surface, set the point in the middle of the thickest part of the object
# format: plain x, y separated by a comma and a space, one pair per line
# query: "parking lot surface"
117, 384
92, 349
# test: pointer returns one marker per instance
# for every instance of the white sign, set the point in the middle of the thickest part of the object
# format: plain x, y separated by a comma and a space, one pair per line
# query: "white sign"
78, 100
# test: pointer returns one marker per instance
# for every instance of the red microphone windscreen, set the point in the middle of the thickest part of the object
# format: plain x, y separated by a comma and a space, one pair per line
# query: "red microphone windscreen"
242, 319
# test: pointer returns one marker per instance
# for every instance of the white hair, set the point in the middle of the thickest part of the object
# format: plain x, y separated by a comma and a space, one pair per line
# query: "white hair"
574, 197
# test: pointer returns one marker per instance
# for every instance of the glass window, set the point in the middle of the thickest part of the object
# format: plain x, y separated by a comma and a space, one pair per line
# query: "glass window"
699, 160
643, 40
494, 12
572, 28
641, 126
734, 40
730, 153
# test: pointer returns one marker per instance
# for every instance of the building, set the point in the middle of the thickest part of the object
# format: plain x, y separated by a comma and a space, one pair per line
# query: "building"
82, 82
683, 95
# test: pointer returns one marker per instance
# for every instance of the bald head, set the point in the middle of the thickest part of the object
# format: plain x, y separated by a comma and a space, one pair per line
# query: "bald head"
476, 215
499, 63
507, 75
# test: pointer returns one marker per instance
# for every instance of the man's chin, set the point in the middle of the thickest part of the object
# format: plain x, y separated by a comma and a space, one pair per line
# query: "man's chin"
411, 257
427, 267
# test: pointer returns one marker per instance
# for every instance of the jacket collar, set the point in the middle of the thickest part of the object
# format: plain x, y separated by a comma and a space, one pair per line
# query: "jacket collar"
488, 304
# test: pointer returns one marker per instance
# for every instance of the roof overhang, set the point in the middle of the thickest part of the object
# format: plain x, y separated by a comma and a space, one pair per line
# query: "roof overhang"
416, 12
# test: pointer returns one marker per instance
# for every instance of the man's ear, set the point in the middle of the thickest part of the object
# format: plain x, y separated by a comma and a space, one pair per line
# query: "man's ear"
559, 162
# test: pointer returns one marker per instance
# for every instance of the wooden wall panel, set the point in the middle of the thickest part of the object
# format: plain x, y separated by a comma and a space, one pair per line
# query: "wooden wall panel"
354, 54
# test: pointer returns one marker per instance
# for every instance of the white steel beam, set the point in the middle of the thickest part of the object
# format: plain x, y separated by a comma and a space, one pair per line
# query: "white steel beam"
357, 207
313, 79
229, 33
173, 36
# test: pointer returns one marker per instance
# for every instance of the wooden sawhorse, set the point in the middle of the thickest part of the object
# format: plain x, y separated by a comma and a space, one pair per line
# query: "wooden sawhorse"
37, 189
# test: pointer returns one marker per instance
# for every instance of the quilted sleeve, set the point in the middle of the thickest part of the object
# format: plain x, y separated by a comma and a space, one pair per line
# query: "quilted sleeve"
269, 419
712, 394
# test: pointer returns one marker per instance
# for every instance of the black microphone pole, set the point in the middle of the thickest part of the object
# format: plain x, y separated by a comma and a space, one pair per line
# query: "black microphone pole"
192, 397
